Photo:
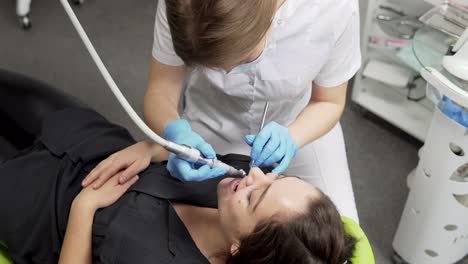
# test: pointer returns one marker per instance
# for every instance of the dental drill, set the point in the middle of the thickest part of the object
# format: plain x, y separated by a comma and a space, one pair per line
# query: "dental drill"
181, 151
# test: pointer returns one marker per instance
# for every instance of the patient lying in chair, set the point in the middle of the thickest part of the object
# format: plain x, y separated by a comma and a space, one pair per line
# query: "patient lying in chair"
47, 217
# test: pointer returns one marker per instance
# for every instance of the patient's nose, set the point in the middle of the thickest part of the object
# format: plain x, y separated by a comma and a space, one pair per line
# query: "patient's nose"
255, 175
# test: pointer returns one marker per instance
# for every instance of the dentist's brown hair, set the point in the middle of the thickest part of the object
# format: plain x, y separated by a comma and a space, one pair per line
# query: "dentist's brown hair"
218, 33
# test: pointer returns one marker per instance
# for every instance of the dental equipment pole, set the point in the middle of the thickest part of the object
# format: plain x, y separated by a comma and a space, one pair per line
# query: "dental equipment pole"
182, 151
252, 162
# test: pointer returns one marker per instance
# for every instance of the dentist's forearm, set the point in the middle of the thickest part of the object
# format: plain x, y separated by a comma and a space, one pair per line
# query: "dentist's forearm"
321, 115
162, 95
159, 111
317, 119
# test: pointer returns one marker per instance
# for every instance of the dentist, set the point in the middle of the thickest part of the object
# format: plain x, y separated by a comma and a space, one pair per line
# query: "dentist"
224, 59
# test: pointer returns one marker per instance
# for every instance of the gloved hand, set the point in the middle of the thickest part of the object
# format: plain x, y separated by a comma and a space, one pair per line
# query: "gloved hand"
180, 132
274, 144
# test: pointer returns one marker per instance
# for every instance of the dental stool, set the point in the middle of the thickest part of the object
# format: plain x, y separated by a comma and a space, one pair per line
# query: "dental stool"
363, 253
23, 8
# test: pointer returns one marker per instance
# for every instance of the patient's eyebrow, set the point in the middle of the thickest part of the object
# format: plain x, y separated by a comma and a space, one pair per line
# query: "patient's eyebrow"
262, 196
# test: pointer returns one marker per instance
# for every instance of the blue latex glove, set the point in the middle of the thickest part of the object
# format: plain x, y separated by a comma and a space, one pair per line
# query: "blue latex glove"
180, 132
274, 144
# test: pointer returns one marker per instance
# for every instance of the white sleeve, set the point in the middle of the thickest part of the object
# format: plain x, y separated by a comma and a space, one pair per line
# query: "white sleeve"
345, 57
163, 48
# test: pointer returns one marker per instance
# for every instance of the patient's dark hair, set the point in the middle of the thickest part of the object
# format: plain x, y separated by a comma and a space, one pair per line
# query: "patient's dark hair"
314, 237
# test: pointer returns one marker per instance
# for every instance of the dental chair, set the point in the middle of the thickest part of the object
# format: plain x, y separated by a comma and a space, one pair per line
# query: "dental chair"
36, 92
23, 9
4, 258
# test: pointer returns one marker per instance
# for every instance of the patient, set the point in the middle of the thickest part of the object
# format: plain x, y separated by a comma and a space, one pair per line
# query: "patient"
47, 217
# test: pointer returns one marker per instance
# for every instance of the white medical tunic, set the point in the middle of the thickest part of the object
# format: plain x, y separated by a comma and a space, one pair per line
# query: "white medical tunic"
311, 40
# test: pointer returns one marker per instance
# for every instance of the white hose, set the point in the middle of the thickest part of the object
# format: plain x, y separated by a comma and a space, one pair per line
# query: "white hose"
108, 78
184, 152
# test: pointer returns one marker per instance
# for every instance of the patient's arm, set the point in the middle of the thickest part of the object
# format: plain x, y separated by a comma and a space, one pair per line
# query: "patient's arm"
76, 246
130, 161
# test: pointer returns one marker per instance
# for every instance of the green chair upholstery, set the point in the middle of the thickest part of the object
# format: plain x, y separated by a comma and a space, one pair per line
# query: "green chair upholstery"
363, 253
4, 258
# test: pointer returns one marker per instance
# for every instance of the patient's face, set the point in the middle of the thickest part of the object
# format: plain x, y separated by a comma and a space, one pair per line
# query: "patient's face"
245, 202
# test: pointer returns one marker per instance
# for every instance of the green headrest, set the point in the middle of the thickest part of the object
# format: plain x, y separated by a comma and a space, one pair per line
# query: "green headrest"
363, 252
4, 258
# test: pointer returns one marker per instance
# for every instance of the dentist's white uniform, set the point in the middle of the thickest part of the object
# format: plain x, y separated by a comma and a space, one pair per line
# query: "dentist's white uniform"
312, 40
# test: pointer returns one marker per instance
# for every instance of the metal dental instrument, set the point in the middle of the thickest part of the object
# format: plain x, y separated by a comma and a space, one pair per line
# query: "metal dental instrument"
252, 162
182, 151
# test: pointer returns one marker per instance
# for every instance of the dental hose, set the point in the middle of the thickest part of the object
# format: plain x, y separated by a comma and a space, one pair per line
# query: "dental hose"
182, 151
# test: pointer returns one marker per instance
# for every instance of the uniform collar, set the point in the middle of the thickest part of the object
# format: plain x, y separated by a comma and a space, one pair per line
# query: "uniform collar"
288, 8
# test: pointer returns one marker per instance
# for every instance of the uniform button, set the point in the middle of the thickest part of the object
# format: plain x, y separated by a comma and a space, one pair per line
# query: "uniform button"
280, 22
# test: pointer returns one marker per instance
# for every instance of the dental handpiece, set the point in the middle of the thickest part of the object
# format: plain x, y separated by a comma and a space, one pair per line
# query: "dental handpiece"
184, 152
193, 155
231, 171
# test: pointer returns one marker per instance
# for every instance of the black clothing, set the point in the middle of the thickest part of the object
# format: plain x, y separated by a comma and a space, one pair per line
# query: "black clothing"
7, 150
25, 102
39, 184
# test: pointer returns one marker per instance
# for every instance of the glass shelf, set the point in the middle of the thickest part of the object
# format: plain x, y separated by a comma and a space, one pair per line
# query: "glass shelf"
429, 46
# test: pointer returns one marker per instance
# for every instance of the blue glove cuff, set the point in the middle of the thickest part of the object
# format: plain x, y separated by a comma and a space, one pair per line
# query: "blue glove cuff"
174, 127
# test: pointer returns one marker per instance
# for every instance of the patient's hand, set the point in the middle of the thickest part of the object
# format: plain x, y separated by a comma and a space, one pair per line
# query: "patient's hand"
108, 194
130, 161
